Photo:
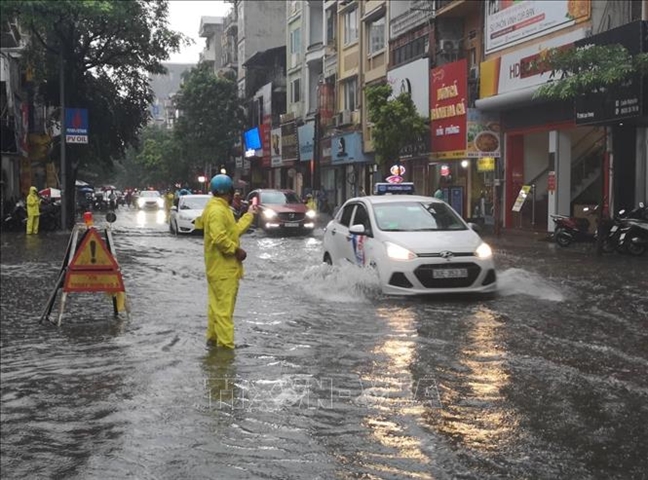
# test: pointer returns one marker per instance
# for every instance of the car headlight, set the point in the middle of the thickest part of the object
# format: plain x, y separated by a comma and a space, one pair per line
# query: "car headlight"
483, 251
396, 252
140, 202
311, 214
269, 214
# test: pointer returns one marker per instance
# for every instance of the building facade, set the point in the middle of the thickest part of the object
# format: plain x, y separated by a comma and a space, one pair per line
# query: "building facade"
211, 29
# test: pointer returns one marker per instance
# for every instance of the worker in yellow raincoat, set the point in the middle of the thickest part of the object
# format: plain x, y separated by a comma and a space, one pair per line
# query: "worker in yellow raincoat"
33, 211
169, 197
223, 259
311, 204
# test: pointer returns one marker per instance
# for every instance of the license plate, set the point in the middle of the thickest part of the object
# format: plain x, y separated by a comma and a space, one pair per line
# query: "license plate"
291, 225
450, 273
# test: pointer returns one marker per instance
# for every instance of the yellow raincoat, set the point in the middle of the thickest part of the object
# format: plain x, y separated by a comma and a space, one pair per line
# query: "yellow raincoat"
311, 204
223, 270
33, 211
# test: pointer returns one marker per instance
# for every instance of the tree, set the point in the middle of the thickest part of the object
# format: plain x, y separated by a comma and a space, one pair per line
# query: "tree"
211, 118
107, 49
580, 71
396, 123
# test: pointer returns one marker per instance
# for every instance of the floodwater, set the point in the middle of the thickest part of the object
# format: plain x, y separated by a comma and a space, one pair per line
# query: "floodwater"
332, 379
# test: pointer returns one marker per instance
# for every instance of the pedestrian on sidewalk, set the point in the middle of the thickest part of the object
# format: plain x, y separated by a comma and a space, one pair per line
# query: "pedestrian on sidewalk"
223, 259
33, 211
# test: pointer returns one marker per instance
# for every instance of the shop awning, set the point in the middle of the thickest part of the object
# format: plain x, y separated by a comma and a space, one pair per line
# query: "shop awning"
505, 101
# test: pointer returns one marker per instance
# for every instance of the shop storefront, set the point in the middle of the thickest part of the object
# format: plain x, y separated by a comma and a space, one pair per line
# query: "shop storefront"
289, 153
306, 139
275, 159
328, 194
349, 161
544, 148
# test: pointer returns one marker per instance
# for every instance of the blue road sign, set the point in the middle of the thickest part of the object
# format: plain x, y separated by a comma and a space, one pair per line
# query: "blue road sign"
76, 125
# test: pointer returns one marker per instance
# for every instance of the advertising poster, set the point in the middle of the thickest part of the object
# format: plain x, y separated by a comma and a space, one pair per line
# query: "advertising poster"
483, 134
448, 99
509, 22
275, 147
306, 138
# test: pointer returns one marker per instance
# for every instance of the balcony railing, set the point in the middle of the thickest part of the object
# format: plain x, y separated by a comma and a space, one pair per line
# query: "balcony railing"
420, 11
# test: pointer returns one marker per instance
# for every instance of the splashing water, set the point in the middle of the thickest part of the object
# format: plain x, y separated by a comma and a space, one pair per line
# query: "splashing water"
516, 281
343, 284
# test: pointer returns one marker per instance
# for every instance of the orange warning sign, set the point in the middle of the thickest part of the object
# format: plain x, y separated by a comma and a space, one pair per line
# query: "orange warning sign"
95, 281
93, 254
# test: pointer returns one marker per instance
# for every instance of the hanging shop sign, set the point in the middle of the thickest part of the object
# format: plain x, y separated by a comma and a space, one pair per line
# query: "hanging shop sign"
551, 181
266, 128
510, 22
275, 147
252, 142
347, 148
620, 102
486, 164
482, 134
289, 151
325, 158
306, 138
448, 98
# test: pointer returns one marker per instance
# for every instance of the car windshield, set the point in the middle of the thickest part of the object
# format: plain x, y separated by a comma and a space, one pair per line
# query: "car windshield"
416, 217
279, 198
193, 203
149, 193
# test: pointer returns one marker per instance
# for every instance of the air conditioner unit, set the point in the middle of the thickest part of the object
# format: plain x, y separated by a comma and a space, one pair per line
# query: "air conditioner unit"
449, 46
474, 72
345, 117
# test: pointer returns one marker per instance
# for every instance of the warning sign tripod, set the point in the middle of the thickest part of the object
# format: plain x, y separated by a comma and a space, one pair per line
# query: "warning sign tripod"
90, 267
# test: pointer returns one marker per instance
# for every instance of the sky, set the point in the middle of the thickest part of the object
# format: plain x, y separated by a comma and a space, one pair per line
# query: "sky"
184, 17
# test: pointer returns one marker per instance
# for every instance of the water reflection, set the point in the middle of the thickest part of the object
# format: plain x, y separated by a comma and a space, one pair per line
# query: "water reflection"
473, 410
390, 391
219, 371
145, 217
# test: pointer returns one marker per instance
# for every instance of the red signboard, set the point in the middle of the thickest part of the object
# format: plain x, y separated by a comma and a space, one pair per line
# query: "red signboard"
448, 107
266, 130
551, 181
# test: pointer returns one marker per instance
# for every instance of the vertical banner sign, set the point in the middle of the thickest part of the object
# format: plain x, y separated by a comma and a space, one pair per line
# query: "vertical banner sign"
519, 201
76, 125
275, 147
448, 99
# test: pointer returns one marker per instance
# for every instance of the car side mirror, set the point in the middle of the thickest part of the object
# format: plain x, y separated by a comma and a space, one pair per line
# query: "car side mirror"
474, 227
358, 229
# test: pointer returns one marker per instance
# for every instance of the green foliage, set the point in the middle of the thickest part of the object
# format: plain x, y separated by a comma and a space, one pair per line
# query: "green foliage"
108, 48
211, 118
396, 123
580, 71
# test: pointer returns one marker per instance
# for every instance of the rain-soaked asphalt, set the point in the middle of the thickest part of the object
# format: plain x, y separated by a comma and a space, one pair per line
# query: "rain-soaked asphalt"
547, 380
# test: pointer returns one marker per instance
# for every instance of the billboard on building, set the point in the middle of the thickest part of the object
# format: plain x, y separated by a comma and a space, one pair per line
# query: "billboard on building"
448, 99
306, 138
347, 148
288, 142
510, 22
275, 147
414, 79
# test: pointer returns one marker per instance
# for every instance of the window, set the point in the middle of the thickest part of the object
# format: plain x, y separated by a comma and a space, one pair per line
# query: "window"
295, 91
345, 218
377, 35
295, 41
350, 88
331, 26
362, 218
351, 26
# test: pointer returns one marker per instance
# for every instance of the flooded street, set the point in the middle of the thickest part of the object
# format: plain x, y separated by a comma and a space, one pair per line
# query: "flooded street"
332, 380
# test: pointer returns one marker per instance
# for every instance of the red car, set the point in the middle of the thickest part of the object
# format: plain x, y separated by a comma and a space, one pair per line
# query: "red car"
281, 210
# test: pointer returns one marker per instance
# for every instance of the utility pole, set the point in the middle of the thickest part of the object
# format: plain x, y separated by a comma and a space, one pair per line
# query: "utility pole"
63, 132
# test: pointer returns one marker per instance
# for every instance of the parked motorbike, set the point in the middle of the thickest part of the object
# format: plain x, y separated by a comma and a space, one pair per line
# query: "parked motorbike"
627, 232
573, 229
50, 215
16, 220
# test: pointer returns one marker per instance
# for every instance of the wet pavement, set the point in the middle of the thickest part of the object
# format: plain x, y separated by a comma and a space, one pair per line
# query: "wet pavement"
333, 380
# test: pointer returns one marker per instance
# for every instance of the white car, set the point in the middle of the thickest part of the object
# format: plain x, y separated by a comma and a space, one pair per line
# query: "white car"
418, 245
183, 216
150, 199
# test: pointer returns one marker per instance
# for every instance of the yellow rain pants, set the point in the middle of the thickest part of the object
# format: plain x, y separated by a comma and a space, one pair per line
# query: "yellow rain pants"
222, 237
33, 211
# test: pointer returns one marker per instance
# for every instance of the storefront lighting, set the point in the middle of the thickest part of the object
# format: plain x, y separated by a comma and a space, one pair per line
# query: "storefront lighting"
465, 163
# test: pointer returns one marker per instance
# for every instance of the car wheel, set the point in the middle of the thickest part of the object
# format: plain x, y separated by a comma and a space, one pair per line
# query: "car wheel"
327, 259
635, 249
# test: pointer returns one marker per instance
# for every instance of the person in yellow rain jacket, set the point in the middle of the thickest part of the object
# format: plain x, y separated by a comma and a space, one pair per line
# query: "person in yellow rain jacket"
169, 197
223, 259
33, 211
311, 204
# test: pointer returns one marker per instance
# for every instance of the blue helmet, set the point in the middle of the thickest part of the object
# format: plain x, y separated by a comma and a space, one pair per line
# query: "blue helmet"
221, 184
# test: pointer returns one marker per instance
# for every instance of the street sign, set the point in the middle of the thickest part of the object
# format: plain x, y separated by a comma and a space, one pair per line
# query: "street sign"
76, 125
99, 281
93, 254
524, 192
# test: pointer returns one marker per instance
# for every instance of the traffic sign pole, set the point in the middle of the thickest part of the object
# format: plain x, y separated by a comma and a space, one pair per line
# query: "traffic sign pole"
63, 132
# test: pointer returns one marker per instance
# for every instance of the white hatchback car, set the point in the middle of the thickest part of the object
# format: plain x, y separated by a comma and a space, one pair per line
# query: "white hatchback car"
418, 245
183, 216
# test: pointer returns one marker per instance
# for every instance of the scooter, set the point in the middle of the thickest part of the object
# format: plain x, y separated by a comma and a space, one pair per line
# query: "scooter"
572, 229
627, 225
17, 219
